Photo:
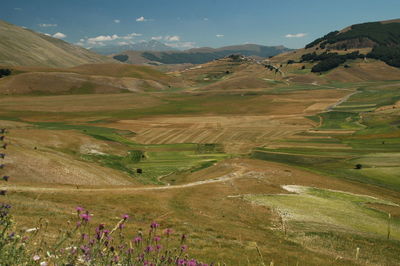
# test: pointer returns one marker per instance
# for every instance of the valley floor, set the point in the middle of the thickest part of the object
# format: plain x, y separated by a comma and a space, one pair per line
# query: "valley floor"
273, 171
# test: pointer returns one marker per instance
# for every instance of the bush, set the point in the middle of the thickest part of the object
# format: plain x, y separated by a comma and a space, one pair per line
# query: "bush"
328, 64
121, 57
5, 72
389, 55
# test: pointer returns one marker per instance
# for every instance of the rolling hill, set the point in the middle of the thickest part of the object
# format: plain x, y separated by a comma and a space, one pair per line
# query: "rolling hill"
23, 47
198, 55
373, 40
151, 45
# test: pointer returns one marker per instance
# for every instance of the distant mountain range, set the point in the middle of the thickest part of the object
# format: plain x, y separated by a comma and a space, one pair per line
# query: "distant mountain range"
19, 46
152, 45
197, 55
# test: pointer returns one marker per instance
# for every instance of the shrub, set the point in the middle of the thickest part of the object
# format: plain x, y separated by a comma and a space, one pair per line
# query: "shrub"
328, 64
5, 72
121, 57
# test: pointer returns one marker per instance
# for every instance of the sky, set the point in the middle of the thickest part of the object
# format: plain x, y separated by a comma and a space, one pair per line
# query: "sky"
185, 24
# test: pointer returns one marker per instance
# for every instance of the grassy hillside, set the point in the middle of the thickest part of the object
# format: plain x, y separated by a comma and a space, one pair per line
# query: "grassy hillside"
19, 46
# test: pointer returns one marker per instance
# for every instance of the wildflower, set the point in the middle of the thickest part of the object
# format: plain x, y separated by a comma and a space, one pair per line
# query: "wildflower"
125, 217
36, 257
100, 227
5, 178
183, 238
181, 262
85, 249
79, 209
137, 240
116, 258
192, 262
184, 248
158, 247
149, 249
121, 226
168, 231
78, 224
154, 225
85, 217
11, 235
43, 263
84, 236
156, 239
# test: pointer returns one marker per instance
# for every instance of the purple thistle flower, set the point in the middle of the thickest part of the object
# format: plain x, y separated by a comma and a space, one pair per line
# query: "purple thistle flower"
157, 238
129, 251
79, 209
192, 262
85, 217
78, 224
158, 247
125, 217
100, 227
137, 240
84, 236
168, 231
5, 178
121, 226
116, 258
85, 249
154, 225
184, 248
106, 232
149, 249
181, 262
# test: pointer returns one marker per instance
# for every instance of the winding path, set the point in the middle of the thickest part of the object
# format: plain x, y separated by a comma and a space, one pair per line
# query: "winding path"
234, 175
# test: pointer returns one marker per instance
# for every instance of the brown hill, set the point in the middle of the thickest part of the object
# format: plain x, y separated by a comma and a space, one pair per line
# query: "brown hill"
23, 47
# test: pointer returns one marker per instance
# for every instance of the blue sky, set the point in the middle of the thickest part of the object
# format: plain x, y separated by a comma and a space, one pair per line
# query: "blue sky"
193, 23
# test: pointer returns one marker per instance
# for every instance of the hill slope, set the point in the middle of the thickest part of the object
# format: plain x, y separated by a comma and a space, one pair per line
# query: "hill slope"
152, 45
199, 55
19, 46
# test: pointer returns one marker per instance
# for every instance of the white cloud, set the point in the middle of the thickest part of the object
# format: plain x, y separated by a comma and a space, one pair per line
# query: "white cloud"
205, 19
102, 38
47, 25
123, 43
142, 19
157, 38
117, 21
175, 38
130, 36
59, 35
297, 35
182, 45
219, 35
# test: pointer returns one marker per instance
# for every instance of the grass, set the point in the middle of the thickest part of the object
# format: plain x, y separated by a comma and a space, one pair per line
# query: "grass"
314, 208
